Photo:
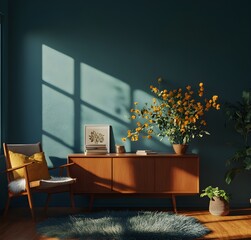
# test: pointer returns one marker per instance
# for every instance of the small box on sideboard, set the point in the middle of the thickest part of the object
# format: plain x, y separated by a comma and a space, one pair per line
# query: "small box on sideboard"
145, 152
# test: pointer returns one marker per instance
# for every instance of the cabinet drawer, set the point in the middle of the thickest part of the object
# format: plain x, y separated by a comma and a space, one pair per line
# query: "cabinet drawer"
177, 175
93, 174
133, 175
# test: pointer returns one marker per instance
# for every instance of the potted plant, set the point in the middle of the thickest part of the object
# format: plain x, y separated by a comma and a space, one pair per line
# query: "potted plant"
240, 115
177, 114
219, 200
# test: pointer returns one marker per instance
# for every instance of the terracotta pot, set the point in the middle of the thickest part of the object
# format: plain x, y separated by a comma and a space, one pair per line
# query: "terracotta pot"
218, 207
180, 148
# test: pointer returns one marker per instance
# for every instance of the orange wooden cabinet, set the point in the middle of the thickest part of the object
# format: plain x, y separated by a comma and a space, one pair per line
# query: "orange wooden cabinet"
158, 174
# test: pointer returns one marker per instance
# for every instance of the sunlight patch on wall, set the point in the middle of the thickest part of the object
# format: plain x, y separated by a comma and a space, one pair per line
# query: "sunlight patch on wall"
58, 115
58, 69
57, 101
105, 92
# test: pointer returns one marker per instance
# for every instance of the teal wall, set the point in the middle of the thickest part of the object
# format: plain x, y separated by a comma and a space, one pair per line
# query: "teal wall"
4, 88
85, 62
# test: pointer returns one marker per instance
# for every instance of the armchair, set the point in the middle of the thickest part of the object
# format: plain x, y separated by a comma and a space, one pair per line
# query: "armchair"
27, 172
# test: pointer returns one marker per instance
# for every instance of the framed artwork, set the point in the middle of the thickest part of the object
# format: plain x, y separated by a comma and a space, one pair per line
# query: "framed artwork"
97, 135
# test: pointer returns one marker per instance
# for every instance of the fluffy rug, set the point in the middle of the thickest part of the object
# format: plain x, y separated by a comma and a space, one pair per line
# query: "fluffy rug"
123, 225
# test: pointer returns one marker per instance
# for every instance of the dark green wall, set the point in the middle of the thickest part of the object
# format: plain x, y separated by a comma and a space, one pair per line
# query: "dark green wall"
79, 62
4, 88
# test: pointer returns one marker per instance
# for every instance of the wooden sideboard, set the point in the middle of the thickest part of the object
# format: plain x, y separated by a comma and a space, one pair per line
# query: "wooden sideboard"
130, 174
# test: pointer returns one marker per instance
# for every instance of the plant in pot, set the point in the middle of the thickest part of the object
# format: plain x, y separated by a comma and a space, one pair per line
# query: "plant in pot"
178, 114
219, 200
240, 115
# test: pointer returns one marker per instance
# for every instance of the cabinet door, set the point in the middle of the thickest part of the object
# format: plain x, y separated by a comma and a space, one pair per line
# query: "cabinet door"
93, 174
177, 175
133, 175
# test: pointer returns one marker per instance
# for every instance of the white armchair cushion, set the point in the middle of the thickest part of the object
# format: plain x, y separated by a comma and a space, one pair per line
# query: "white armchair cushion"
18, 185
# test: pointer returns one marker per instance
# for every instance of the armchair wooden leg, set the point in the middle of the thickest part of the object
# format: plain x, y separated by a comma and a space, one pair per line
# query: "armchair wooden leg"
91, 201
31, 205
174, 204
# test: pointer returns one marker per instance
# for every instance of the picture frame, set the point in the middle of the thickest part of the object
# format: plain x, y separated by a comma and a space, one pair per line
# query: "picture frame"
97, 134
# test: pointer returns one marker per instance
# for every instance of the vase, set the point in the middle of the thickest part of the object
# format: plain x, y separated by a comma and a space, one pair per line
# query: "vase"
218, 206
180, 148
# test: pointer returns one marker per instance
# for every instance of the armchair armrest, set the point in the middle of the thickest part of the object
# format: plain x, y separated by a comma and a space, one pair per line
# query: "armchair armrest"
15, 168
9, 170
61, 167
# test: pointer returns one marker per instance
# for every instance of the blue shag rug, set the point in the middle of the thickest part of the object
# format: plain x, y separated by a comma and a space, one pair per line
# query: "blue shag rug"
123, 225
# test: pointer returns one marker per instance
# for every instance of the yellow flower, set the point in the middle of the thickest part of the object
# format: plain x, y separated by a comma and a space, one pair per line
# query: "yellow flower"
186, 122
123, 139
136, 103
134, 138
215, 98
194, 119
138, 124
133, 117
149, 131
138, 129
155, 90
203, 122
185, 103
188, 88
164, 96
187, 96
200, 113
201, 84
183, 130
208, 105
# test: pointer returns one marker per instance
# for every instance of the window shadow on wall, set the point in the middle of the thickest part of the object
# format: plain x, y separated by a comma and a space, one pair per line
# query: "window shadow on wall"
75, 94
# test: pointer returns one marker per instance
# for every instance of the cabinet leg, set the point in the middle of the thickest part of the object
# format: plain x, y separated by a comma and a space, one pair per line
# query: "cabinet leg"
91, 201
174, 203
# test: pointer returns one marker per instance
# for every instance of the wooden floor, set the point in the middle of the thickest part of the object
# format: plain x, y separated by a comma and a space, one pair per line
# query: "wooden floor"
19, 226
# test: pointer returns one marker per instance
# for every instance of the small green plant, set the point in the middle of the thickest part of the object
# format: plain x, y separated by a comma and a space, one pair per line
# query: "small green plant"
215, 192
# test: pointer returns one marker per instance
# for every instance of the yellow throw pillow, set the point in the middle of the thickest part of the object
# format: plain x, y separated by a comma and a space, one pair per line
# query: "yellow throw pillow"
36, 171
